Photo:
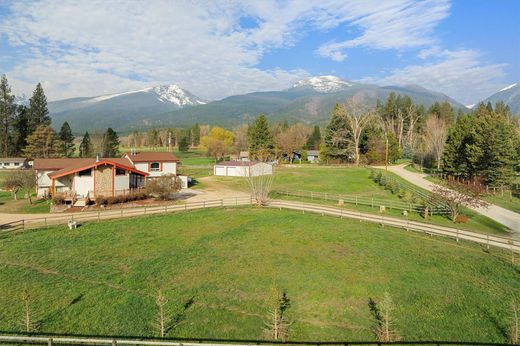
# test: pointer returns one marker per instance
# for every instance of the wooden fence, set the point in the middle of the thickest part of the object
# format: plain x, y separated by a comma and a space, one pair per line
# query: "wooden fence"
454, 233
64, 218
113, 341
373, 202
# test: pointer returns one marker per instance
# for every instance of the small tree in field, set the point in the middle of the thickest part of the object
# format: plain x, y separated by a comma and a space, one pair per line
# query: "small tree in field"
277, 324
163, 319
514, 330
28, 318
17, 181
164, 187
382, 313
458, 195
260, 182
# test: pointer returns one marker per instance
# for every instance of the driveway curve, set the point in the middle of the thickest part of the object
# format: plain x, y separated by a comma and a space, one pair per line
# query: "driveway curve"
506, 217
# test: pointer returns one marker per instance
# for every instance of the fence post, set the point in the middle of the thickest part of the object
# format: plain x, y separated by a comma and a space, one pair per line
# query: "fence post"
98, 215
114, 343
166, 208
236, 201
45, 222
144, 210
457, 235
487, 241
203, 204
49, 342
372, 205
121, 212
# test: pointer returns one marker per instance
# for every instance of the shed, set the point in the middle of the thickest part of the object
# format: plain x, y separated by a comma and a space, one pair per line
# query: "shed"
242, 169
313, 155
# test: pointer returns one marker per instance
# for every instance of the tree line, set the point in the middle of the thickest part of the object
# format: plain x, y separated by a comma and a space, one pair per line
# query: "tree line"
26, 130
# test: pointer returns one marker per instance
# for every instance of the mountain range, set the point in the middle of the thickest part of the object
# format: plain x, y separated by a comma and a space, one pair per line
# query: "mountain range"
309, 100
510, 95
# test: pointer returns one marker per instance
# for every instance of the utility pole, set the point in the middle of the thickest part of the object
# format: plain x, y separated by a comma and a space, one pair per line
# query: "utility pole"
169, 141
386, 155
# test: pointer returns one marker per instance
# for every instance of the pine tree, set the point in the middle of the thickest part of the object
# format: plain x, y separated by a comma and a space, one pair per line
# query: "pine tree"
38, 109
184, 145
7, 112
67, 140
195, 135
313, 143
338, 136
261, 142
85, 147
43, 143
110, 144
21, 126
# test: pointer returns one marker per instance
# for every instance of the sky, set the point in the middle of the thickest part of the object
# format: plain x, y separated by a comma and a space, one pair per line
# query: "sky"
467, 49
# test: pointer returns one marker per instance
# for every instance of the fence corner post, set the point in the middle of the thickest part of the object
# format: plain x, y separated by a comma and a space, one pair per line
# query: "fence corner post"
49, 342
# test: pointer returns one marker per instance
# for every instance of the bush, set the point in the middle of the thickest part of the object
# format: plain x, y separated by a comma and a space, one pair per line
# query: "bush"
101, 200
461, 219
112, 200
58, 199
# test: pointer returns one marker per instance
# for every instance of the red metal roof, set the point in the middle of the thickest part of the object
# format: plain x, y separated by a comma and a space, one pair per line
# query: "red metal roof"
82, 164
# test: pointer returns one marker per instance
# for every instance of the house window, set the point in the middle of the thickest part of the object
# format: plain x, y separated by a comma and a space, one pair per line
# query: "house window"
85, 173
155, 167
17, 164
120, 171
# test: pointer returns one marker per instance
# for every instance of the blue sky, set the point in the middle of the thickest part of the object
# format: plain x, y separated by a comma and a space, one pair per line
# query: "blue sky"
467, 49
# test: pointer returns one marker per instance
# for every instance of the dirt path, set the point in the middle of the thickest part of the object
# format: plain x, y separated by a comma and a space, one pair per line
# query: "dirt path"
506, 217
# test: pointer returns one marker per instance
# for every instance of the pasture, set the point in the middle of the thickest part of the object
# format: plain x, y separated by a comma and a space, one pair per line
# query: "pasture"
216, 267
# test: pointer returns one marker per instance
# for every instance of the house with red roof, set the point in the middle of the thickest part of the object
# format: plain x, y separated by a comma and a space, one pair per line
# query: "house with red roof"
86, 178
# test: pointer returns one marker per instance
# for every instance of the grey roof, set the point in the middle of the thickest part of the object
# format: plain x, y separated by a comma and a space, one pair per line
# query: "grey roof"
13, 159
313, 152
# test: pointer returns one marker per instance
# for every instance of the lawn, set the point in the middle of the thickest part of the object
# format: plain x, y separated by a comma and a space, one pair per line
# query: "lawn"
355, 181
9, 205
102, 278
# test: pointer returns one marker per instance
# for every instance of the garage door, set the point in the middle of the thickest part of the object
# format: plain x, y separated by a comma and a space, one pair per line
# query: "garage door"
220, 170
231, 171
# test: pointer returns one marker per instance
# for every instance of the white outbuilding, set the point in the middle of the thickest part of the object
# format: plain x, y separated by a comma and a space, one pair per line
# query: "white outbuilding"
242, 169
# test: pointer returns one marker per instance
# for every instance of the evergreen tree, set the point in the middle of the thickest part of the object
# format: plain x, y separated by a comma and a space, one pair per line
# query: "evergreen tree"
85, 147
313, 143
38, 109
43, 143
261, 142
21, 125
338, 136
67, 140
184, 145
195, 135
110, 143
7, 113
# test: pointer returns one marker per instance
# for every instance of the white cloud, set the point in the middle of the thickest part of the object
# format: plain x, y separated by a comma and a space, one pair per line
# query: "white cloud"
398, 24
458, 73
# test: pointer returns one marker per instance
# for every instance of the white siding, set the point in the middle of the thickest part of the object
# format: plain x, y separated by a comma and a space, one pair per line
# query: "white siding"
83, 185
167, 168
43, 183
243, 171
121, 182
221, 171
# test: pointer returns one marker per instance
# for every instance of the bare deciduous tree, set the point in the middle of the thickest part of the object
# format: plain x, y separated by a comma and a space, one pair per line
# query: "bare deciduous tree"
17, 181
241, 141
162, 319
457, 195
292, 139
260, 182
435, 137
29, 322
278, 324
358, 118
382, 313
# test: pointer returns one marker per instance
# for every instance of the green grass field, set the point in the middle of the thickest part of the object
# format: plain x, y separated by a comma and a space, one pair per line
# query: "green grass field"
9, 205
355, 182
102, 278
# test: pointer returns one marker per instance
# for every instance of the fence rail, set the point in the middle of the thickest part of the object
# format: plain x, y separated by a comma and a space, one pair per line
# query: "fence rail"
366, 201
457, 234
64, 218
50, 340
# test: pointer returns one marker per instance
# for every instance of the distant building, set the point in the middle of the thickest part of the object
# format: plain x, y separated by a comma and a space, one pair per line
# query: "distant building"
313, 155
14, 163
242, 169
243, 156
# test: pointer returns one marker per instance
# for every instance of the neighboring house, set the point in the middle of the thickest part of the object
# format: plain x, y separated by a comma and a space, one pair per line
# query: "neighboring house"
243, 156
313, 155
14, 163
156, 164
242, 169
87, 178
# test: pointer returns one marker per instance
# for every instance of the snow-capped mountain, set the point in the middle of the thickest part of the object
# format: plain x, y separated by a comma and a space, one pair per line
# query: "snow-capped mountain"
324, 84
131, 108
510, 95
22, 100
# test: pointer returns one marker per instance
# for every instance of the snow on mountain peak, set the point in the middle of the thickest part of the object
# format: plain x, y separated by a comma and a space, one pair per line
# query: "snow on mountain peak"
174, 94
21, 100
324, 84
509, 87
165, 93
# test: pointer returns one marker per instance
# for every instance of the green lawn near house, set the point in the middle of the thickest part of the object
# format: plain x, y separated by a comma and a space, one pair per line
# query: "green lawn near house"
103, 277
9, 205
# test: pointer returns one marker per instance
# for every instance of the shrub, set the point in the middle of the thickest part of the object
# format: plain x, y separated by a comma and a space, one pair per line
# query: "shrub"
58, 199
112, 200
101, 200
461, 219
